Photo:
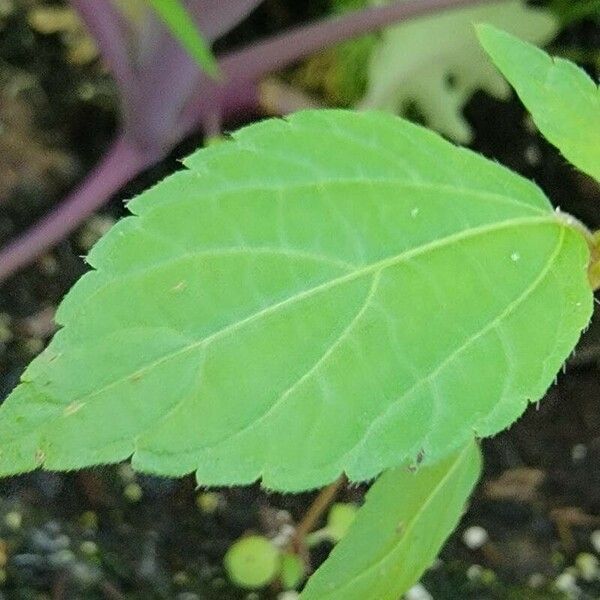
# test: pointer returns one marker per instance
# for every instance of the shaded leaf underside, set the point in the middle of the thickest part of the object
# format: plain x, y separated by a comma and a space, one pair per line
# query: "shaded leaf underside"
335, 292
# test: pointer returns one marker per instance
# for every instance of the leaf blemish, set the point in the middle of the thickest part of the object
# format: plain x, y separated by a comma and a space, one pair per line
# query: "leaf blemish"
40, 456
179, 287
73, 408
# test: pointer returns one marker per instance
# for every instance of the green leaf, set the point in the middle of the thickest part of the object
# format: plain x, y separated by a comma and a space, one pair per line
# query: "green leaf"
182, 26
334, 292
440, 78
398, 532
292, 571
252, 562
339, 520
562, 99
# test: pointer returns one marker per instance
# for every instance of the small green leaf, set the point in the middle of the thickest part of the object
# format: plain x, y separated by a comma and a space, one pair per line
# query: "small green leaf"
340, 519
562, 99
398, 532
182, 26
252, 562
334, 292
292, 571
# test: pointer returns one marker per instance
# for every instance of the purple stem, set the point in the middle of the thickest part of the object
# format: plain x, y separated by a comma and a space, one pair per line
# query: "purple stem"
279, 51
170, 81
214, 103
242, 70
216, 17
118, 166
109, 28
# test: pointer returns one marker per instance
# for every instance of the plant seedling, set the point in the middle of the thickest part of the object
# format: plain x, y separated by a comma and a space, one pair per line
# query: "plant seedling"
331, 293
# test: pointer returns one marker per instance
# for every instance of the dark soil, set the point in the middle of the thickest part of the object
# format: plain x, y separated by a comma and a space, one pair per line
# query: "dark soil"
108, 533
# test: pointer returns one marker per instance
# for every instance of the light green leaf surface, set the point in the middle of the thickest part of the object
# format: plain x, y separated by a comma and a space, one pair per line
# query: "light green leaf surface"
562, 99
398, 532
292, 571
252, 562
339, 520
182, 26
437, 63
333, 292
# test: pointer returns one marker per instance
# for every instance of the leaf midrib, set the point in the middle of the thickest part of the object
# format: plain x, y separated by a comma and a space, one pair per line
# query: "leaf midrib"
398, 184
550, 219
417, 516
425, 379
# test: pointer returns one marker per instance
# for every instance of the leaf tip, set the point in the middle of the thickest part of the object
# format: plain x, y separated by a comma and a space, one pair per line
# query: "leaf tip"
486, 33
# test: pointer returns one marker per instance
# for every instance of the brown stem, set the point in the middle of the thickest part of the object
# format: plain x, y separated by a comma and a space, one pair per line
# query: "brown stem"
316, 510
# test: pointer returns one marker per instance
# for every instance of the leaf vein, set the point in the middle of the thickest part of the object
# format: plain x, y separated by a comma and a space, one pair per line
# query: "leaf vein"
331, 283
463, 346
372, 291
